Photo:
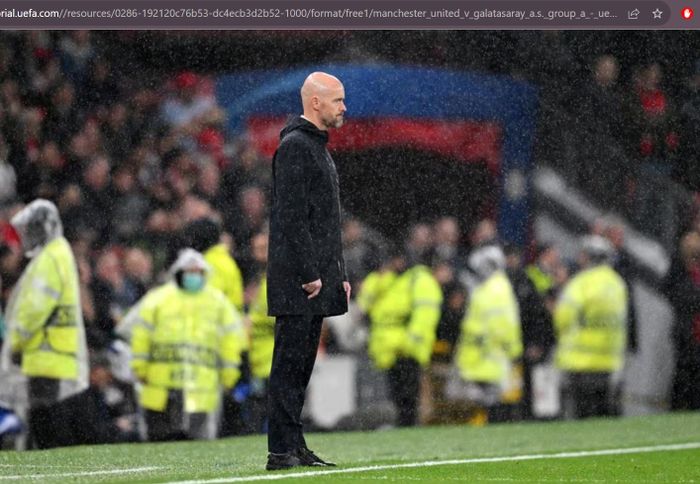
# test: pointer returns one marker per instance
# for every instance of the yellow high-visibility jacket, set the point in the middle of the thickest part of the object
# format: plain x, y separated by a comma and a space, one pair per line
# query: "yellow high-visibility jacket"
491, 335
262, 334
225, 274
186, 341
373, 287
45, 317
405, 318
590, 321
542, 281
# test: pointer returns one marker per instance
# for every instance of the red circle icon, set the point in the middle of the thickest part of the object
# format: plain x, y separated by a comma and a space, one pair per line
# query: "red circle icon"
687, 13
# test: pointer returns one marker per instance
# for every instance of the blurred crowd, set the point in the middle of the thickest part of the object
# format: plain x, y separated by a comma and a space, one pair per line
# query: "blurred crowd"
132, 166
128, 165
636, 145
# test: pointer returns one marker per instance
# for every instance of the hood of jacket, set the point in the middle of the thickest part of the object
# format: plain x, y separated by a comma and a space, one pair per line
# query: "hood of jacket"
299, 123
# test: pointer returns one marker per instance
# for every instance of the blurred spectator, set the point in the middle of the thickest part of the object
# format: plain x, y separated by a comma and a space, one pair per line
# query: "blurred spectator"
187, 104
535, 320
118, 132
8, 177
97, 204
601, 110
76, 51
601, 99
484, 232
44, 176
96, 338
247, 170
446, 234
653, 141
129, 203
361, 256
62, 117
114, 294
454, 298
623, 265
138, 270
211, 139
99, 90
250, 217
105, 413
689, 129
209, 187
158, 238
682, 287
419, 245
543, 272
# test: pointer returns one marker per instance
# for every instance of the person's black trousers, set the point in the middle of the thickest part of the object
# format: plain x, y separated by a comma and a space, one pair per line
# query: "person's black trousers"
404, 386
587, 395
293, 358
172, 424
45, 419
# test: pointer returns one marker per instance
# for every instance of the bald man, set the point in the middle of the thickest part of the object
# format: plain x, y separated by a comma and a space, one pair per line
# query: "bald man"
306, 271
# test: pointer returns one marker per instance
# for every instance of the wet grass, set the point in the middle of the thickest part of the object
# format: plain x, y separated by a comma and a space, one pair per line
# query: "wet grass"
236, 459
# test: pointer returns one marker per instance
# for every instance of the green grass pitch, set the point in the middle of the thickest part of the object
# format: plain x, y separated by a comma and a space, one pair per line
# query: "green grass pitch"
663, 449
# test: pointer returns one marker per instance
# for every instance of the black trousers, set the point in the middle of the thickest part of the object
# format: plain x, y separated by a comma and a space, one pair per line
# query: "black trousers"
172, 424
587, 395
293, 358
46, 423
404, 385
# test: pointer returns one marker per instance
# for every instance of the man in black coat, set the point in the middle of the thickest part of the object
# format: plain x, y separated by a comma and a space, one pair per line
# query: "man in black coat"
306, 272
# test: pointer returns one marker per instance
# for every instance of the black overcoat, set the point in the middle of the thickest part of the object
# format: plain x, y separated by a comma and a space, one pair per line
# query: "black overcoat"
305, 231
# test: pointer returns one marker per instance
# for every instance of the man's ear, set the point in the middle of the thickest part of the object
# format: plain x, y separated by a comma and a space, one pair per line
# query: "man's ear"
315, 102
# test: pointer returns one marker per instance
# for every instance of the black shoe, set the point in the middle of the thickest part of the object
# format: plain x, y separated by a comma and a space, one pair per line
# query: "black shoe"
308, 458
278, 462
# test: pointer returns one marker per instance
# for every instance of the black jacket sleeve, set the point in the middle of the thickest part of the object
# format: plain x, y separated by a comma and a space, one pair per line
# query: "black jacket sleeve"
292, 188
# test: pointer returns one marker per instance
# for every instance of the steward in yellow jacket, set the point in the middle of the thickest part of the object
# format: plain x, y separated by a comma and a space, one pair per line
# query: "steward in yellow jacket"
45, 323
186, 347
590, 321
491, 341
403, 323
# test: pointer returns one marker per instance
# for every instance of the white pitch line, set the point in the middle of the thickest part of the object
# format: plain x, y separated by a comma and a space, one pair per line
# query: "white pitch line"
433, 463
131, 470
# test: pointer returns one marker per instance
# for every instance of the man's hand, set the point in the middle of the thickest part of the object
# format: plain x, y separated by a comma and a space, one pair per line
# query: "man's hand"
348, 290
313, 288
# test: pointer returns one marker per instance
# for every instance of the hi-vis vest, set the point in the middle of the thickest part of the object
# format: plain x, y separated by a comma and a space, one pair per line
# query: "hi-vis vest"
225, 274
262, 334
491, 335
373, 287
45, 317
590, 321
186, 341
404, 319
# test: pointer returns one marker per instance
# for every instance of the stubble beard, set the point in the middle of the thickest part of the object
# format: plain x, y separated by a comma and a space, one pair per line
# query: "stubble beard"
334, 122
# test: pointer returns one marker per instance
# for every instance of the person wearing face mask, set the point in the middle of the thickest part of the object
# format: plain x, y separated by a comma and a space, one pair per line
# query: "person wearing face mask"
46, 336
185, 348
